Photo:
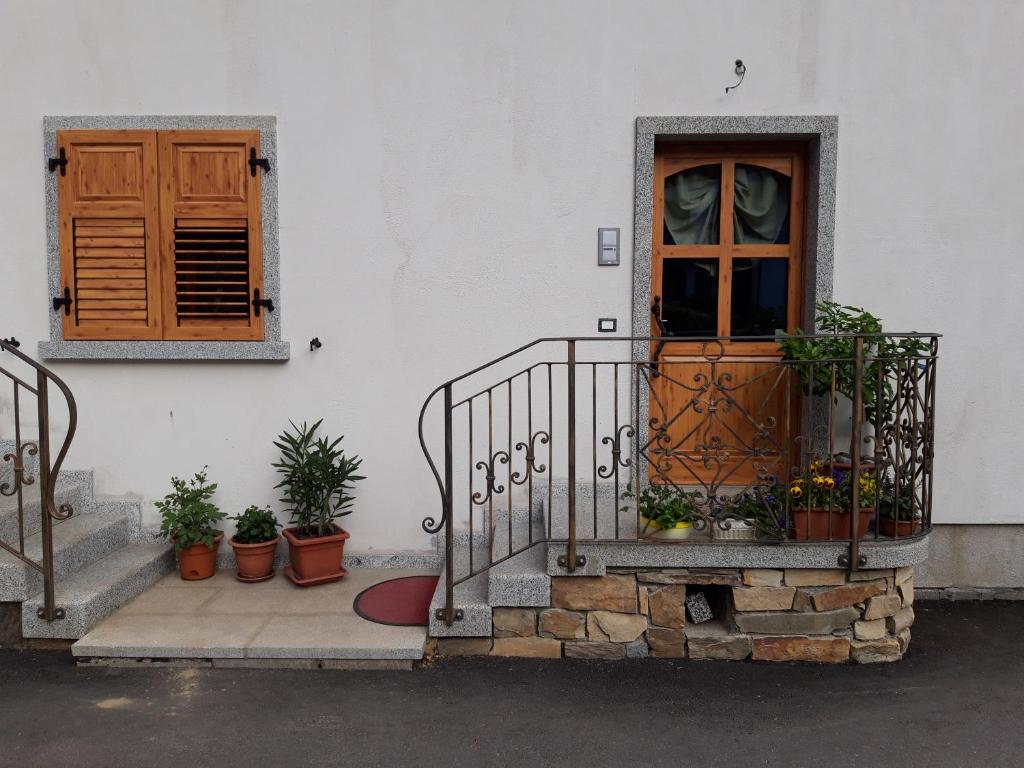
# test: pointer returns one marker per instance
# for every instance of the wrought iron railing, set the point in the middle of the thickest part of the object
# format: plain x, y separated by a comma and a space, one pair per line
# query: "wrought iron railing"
35, 450
575, 440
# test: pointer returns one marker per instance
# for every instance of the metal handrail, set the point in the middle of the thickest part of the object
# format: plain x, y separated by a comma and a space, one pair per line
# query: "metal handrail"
48, 472
905, 445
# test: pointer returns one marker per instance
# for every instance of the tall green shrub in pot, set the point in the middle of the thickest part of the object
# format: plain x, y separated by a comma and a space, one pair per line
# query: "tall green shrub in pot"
317, 479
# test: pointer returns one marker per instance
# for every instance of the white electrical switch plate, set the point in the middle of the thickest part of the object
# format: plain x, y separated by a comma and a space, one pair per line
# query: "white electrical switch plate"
608, 247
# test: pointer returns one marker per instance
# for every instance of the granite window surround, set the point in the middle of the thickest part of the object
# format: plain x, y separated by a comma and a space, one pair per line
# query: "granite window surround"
272, 348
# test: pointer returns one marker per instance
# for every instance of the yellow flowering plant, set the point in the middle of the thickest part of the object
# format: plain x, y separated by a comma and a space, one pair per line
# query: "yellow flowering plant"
824, 487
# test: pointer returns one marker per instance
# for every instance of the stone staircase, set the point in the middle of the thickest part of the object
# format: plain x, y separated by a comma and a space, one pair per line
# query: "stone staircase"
101, 557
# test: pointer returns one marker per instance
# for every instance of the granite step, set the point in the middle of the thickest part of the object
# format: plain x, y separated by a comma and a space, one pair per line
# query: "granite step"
521, 581
90, 594
76, 494
471, 599
77, 542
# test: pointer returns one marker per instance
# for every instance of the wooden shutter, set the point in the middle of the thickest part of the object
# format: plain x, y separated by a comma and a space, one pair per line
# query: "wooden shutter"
107, 200
212, 257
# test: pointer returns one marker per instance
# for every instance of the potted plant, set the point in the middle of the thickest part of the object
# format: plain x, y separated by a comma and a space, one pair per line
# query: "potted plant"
817, 358
665, 511
188, 520
897, 513
760, 514
822, 502
254, 544
317, 479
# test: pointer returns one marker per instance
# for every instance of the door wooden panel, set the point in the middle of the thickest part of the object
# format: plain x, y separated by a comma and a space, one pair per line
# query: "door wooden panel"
720, 422
722, 411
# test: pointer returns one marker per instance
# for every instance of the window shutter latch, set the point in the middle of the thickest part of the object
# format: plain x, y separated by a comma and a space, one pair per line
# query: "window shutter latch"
257, 302
255, 162
64, 301
61, 161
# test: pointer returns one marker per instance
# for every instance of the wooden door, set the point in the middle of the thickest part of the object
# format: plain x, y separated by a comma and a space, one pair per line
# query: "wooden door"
727, 276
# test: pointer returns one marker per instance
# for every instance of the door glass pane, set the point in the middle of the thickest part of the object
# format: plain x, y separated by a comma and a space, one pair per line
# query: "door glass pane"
693, 206
761, 209
759, 293
689, 297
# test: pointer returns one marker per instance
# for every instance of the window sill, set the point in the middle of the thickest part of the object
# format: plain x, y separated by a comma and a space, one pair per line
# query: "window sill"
165, 350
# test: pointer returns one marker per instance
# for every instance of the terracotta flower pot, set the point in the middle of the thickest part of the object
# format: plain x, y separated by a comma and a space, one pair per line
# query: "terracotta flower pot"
255, 562
316, 560
199, 561
813, 525
889, 527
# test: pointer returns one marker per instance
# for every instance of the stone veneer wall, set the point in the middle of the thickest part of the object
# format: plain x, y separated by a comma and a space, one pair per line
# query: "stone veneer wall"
826, 616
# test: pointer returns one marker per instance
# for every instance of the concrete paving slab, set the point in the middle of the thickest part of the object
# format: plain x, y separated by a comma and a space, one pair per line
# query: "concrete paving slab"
223, 618
335, 637
169, 636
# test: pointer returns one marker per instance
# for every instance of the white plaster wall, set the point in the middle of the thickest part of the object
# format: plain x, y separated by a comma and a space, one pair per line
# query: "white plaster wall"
443, 169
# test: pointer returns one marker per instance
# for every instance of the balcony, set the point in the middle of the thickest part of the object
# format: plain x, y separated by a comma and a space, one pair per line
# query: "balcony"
686, 453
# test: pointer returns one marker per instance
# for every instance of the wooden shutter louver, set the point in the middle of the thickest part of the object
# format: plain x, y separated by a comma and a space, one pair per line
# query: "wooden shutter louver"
212, 254
108, 234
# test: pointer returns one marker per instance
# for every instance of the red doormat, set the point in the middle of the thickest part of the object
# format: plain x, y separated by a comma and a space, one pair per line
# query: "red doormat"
403, 602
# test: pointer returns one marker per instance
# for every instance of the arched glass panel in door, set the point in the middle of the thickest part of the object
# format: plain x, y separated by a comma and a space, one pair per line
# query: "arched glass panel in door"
760, 206
693, 206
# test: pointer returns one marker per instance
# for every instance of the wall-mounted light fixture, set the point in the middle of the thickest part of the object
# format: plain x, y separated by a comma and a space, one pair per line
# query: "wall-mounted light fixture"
740, 71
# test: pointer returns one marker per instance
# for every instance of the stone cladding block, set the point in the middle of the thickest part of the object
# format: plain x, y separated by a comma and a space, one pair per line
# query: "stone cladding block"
872, 575
514, 622
881, 606
904, 640
594, 593
906, 591
763, 598
847, 595
587, 649
463, 646
643, 599
527, 647
615, 627
793, 623
638, 649
824, 650
876, 651
869, 630
729, 577
563, 624
900, 621
815, 577
668, 607
711, 646
666, 643
762, 577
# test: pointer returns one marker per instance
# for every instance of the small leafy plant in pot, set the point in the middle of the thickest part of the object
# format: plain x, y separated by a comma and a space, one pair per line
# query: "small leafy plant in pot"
897, 513
317, 480
665, 511
188, 520
254, 544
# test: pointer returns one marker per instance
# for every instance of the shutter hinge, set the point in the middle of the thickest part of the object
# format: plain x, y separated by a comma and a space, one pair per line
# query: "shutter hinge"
65, 302
257, 302
61, 161
256, 162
